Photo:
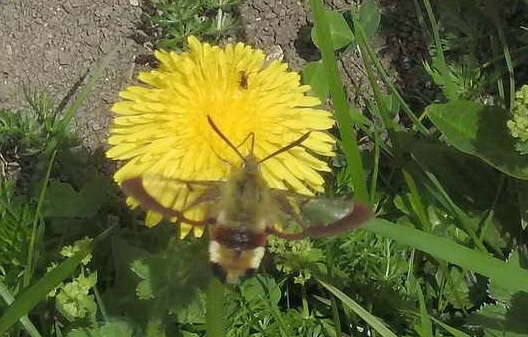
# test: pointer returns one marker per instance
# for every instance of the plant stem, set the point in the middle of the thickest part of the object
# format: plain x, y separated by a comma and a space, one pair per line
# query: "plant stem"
342, 111
215, 316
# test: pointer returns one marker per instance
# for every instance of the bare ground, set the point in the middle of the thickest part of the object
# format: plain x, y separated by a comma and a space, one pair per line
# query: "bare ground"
49, 44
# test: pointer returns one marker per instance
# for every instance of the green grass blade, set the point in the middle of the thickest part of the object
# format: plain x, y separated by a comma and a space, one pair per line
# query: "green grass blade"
85, 91
28, 273
451, 330
337, 93
508, 276
416, 200
426, 325
495, 13
26, 323
436, 36
371, 320
368, 52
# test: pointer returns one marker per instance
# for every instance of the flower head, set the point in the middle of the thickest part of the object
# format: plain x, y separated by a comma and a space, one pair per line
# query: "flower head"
163, 130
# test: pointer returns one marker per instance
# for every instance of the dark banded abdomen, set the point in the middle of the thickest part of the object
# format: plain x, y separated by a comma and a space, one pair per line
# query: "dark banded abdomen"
235, 253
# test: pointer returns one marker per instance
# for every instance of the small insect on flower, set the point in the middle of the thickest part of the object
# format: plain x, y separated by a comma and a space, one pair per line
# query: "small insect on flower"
244, 77
244, 210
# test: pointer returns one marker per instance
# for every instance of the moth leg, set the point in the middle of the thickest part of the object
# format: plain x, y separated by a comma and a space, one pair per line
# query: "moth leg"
286, 207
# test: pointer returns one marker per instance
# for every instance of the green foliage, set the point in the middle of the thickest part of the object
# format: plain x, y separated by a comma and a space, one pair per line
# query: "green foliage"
457, 81
29, 130
74, 299
340, 33
177, 19
480, 130
297, 258
518, 125
369, 16
16, 216
314, 75
173, 276
64, 202
112, 328
254, 310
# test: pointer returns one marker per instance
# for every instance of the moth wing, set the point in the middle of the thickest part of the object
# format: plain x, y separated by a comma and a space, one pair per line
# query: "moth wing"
171, 197
318, 217
327, 217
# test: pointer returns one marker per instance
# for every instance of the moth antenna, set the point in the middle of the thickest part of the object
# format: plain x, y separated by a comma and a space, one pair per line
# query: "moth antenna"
252, 136
287, 147
252, 147
224, 138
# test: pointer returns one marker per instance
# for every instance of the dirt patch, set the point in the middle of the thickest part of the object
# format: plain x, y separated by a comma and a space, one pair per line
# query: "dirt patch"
401, 45
49, 44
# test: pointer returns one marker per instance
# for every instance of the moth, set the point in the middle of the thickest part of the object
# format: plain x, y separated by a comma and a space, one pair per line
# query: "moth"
243, 210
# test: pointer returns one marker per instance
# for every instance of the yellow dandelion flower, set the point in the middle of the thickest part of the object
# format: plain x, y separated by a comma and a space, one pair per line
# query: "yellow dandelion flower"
163, 130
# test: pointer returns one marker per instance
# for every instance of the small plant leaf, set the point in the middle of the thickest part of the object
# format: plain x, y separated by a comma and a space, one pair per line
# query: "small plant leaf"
340, 32
369, 17
112, 328
314, 75
481, 131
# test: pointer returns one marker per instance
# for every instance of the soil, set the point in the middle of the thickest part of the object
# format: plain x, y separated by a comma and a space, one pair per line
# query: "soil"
49, 45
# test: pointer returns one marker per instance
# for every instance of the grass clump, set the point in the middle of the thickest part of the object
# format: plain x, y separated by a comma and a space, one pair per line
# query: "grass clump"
175, 20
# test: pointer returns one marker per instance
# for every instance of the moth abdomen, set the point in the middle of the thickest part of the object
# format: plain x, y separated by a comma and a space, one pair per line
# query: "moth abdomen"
235, 253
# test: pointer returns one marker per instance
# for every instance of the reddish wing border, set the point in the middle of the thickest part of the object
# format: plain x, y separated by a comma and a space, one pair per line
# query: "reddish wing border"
360, 214
134, 188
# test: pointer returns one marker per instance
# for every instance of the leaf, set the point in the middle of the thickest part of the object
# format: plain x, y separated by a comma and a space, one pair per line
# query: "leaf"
499, 293
481, 131
498, 320
369, 17
458, 172
63, 201
340, 32
112, 328
261, 288
314, 75
456, 290
144, 290
504, 274
175, 275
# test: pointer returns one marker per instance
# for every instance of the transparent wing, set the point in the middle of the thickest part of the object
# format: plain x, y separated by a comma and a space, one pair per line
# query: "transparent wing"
327, 217
318, 217
171, 197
